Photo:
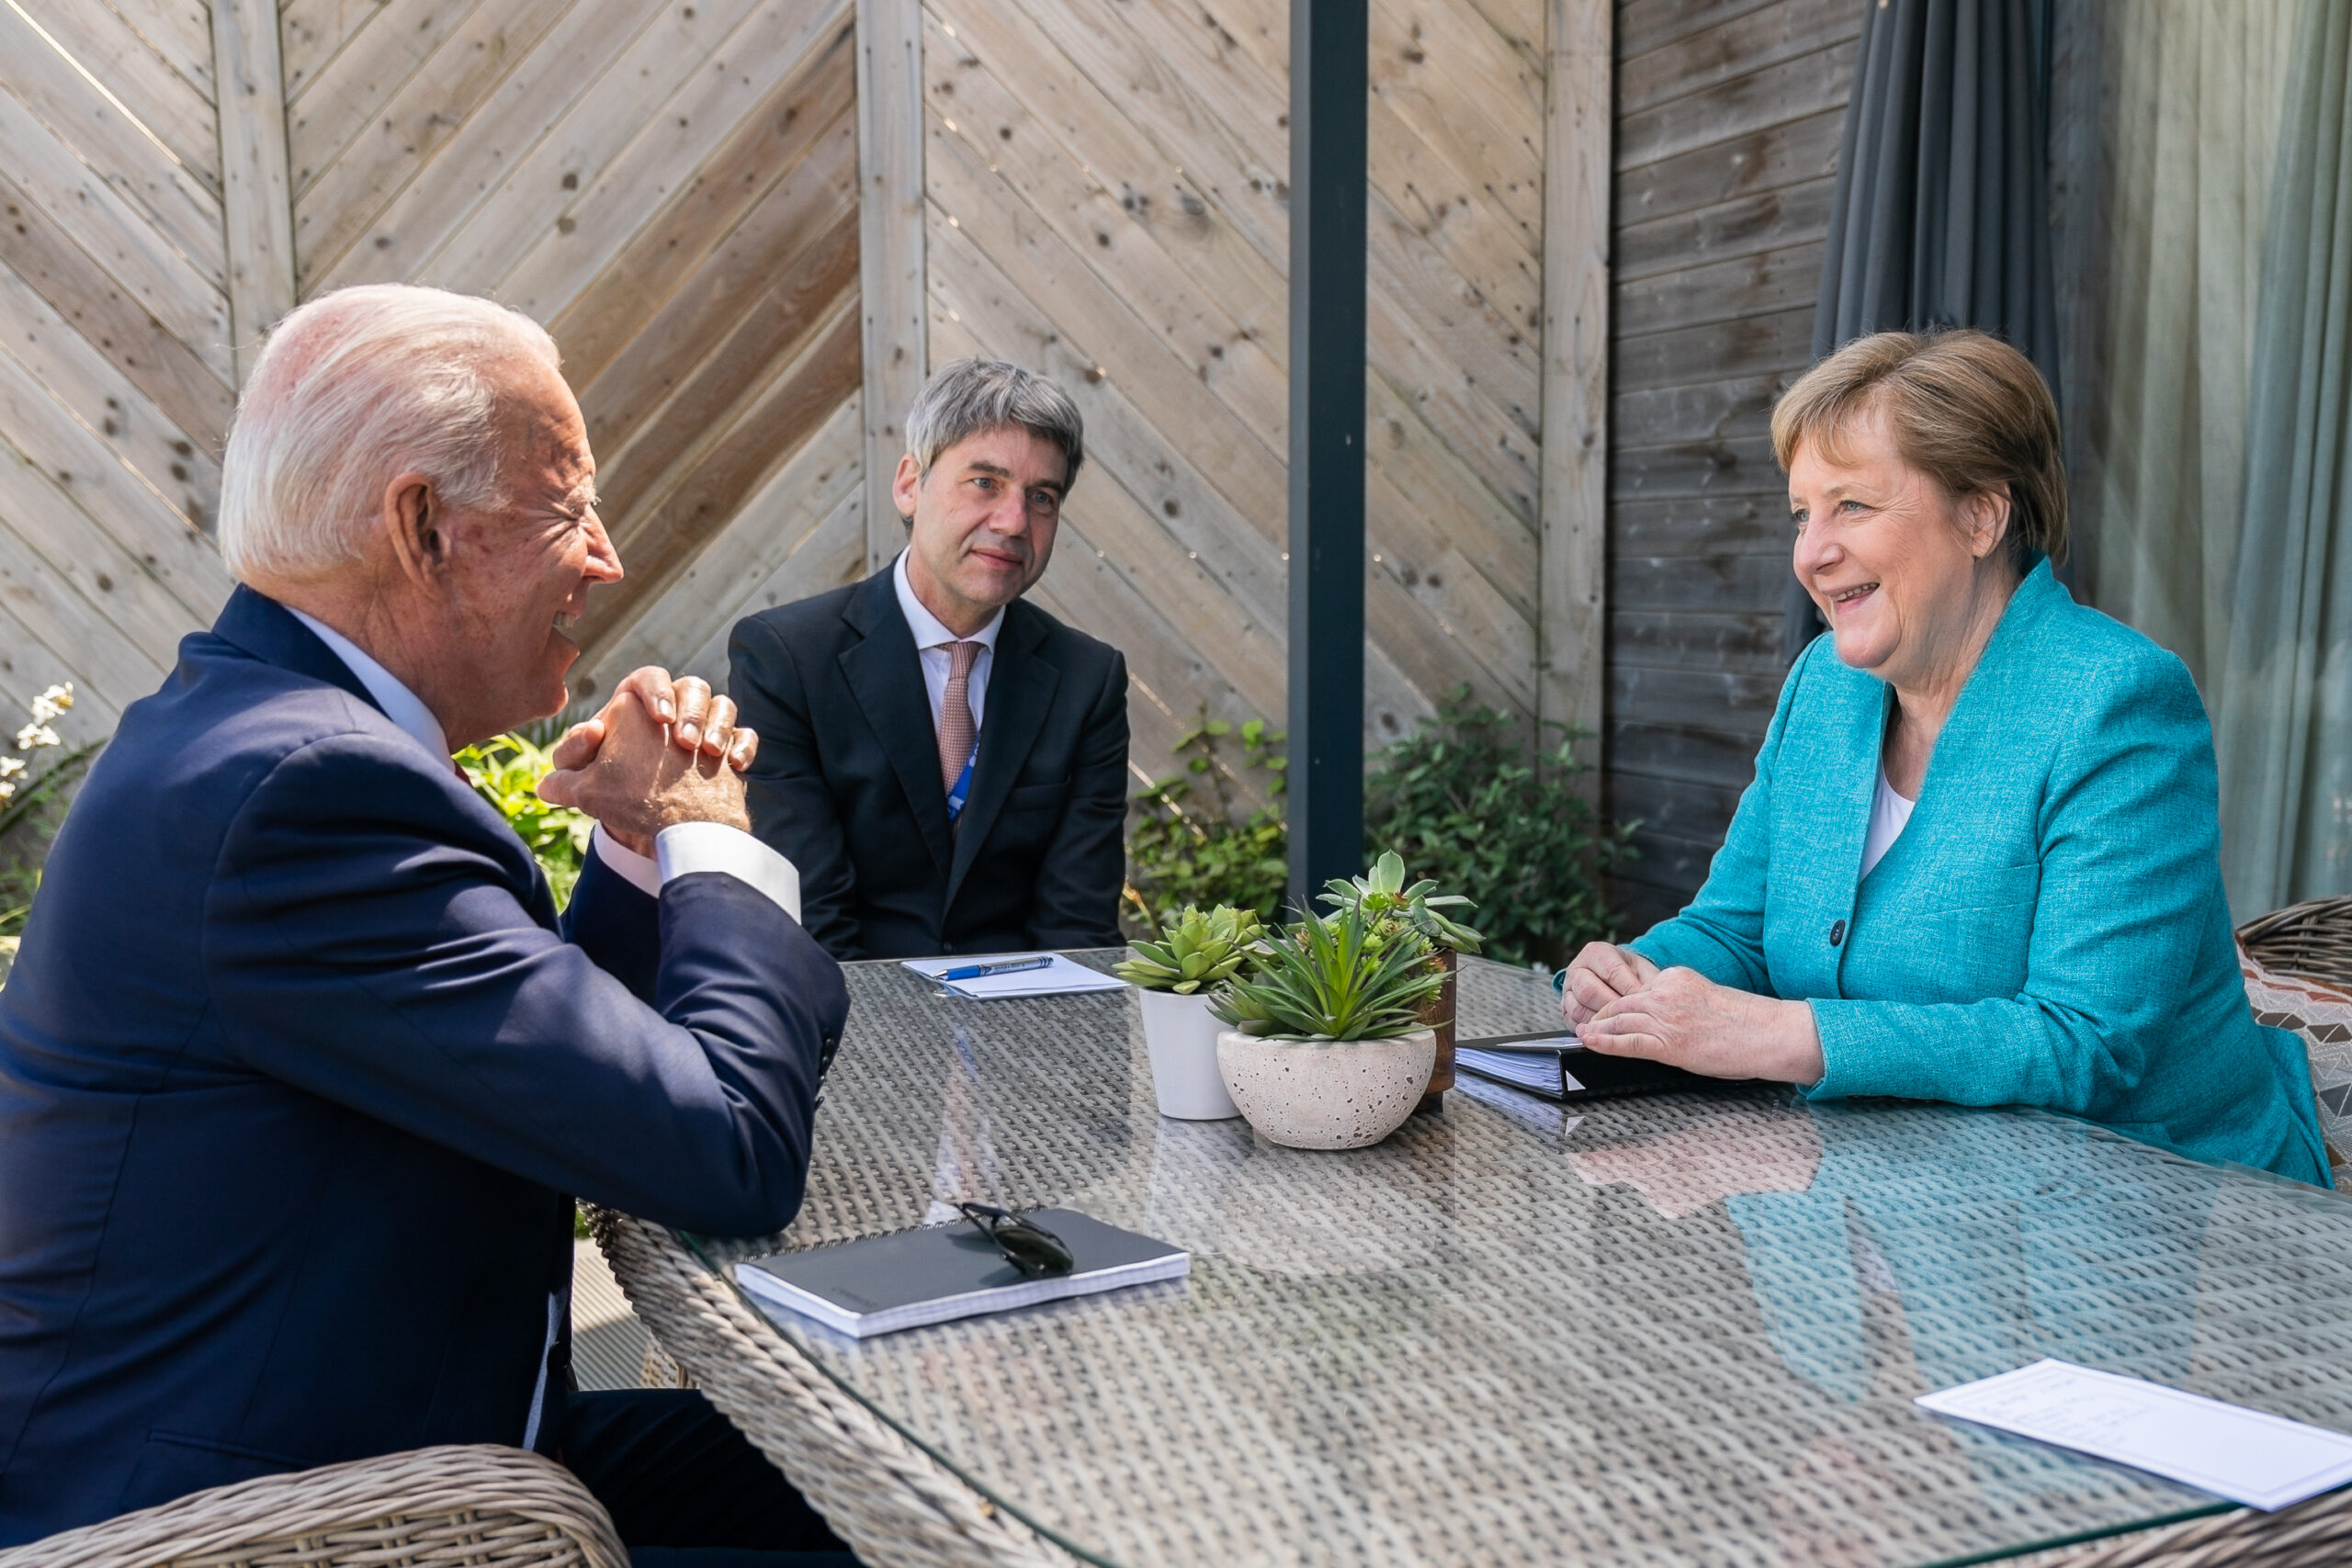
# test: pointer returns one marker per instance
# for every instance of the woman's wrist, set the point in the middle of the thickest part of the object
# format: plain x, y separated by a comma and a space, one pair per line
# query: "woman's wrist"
1799, 1043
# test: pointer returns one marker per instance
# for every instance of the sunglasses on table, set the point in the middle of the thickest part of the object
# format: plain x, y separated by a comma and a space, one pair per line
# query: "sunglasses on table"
1026, 1244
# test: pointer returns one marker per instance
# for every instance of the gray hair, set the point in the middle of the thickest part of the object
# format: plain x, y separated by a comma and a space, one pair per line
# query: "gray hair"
965, 397
355, 388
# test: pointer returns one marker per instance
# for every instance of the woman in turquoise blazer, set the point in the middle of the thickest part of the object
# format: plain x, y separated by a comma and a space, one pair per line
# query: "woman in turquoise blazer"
2048, 927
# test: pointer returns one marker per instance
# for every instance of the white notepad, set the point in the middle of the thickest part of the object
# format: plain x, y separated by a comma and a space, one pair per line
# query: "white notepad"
1060, 978
2263, 1461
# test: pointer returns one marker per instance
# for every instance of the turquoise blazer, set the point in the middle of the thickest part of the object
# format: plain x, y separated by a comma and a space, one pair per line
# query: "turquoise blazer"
2050, 929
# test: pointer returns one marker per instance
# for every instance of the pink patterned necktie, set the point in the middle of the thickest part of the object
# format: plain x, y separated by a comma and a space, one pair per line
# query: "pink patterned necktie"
955, 714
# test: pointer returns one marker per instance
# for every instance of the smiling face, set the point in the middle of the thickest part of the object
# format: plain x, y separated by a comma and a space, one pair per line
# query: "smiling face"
1900, 569
984, 520
519, 575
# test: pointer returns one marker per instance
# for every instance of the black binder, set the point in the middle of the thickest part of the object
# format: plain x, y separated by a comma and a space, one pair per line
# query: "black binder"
1549, 1062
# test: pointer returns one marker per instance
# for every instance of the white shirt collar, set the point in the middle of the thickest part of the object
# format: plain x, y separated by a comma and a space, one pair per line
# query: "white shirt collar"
929, 632
399, 705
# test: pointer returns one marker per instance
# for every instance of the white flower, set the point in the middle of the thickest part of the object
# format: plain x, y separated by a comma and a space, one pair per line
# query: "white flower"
11, 765
34, 735
7, 789
51, 703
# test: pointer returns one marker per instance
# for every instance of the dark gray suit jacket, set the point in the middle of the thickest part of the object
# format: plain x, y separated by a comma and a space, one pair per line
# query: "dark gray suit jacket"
846, 783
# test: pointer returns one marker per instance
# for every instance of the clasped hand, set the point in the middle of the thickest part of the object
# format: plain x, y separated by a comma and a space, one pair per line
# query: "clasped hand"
660, 752
1620, 1003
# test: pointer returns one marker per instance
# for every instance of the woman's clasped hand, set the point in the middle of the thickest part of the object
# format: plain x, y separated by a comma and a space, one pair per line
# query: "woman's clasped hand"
1621, 1004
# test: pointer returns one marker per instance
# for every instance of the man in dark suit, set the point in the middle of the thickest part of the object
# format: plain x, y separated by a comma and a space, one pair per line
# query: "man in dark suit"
945, 761
299, 1068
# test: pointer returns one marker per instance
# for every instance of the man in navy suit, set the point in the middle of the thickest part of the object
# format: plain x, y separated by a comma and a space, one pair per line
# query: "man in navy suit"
946, 762
299, 1067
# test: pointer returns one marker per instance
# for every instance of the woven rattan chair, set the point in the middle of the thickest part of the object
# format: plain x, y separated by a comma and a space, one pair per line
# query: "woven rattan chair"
894, 1504
2314, 940
479, 1506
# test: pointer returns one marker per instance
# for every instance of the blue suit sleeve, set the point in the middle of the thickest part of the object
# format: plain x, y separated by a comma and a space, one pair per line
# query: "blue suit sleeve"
616, 924
1720, 934
365, 942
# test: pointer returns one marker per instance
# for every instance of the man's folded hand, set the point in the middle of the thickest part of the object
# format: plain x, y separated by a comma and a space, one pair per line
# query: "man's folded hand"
659, 753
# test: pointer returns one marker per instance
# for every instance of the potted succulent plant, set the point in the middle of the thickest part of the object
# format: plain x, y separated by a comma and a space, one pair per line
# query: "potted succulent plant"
1388, 904
1173, 978
1325, 1048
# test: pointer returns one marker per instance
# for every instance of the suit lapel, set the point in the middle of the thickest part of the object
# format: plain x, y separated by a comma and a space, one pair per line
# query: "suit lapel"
885, 676
1021, 693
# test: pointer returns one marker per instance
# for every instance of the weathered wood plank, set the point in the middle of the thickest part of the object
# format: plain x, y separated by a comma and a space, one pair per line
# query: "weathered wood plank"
1675, 862
767, 48
831, 554
1734, 47
778, 183
171, 198
1739, 464
1734, 700
188, 391
1713, 639
256, 195
1714, 583
507, 163
327, 107
1700, 525
103, 42
1088, 166
1790, 215
1703, 755
711, 481
1782, 91
120, 499
1637, 905
104, 224
99, 394
1759, 161
1698, 410
121, 622
1785, 279
1716, 351
1676, 808
28, 666
50, 554
785, 265
339, 198
179, 31
893, 263
1646, 25
649, 433
1573, 640
711, 592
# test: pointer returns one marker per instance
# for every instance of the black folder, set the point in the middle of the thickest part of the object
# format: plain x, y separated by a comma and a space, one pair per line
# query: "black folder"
1549, 1062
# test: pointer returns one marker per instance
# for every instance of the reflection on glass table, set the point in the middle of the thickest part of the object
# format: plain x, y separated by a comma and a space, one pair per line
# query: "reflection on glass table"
1681, 1329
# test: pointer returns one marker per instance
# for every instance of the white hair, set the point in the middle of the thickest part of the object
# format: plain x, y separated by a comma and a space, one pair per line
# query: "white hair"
353, 390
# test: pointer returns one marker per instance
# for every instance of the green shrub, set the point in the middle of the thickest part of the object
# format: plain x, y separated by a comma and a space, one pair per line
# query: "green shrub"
1468, 801
1186, 847
506, 771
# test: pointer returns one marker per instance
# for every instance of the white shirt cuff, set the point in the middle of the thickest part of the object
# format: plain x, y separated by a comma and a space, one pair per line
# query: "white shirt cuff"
704, 846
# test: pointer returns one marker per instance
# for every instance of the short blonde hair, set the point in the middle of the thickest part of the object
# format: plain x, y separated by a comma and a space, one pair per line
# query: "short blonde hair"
1964, 407
355, 388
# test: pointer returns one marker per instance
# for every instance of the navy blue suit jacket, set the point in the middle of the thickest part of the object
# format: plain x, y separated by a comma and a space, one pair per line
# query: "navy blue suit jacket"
299, 1068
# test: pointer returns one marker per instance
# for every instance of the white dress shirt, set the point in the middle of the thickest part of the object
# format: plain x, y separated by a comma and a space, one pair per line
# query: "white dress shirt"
932, 638
1889, 814
679, 850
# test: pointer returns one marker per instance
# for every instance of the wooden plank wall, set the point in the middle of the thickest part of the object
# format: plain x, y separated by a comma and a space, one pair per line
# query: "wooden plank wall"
116, 367
1108, 188
1728, 118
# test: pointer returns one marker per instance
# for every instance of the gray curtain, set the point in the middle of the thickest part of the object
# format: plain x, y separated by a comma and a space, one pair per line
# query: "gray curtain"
1941, 213
2284, 726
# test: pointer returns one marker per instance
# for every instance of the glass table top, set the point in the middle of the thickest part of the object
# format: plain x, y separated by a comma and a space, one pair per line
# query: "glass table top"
1683, 1329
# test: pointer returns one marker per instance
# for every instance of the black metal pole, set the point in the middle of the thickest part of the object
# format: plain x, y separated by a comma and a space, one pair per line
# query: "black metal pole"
1329, 45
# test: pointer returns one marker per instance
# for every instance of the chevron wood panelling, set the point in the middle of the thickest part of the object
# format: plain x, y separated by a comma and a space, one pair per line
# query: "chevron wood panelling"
1108, 202
116, 371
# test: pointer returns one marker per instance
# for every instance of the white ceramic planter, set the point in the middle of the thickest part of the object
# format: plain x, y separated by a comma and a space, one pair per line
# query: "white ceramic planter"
1325, 1096
1181, 1037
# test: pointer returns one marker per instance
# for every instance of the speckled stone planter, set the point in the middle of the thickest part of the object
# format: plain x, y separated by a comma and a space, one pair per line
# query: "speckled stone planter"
1324, 1096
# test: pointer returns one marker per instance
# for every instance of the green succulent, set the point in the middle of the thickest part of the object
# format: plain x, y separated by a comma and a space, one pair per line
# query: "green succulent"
1199, 951
1387, 903
506, 771
1330, 979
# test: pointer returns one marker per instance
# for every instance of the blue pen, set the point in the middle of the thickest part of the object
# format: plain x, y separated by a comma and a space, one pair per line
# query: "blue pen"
1013, 966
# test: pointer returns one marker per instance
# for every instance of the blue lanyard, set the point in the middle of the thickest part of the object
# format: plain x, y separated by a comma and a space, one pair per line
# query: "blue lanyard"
963, 790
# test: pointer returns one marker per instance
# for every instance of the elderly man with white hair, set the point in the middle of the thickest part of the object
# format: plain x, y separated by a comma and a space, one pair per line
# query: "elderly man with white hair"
300, 1068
